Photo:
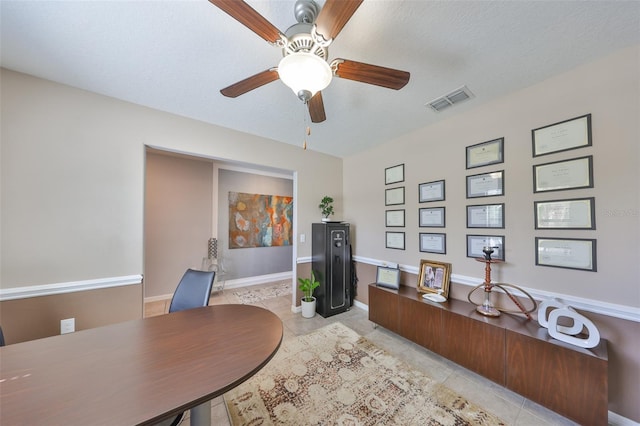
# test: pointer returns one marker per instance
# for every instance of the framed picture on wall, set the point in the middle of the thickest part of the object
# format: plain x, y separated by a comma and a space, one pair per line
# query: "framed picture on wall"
433, 243
432, 217
394, 196
485, 153
431, 191
394, 174
477, 243
569, 253
394, 240
576, 213
563, 136
394, 218
485, 216
485, 184
562, 175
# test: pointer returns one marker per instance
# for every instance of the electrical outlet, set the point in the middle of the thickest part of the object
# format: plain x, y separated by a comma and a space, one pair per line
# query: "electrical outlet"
303, 238
67, 325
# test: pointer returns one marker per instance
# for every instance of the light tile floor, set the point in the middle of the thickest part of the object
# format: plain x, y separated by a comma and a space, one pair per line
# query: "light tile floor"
509, 406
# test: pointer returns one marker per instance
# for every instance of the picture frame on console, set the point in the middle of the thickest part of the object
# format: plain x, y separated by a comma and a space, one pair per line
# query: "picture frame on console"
388, 277
434, 277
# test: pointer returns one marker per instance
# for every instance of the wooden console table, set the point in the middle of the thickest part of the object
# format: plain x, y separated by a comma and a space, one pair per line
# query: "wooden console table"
509, 350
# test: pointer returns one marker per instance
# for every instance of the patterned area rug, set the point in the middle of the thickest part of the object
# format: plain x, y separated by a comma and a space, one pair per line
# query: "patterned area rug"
333, 376
256, 295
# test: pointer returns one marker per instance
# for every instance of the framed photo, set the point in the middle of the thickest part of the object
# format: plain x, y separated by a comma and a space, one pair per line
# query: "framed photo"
394, 218
394, 196
485, 216
561, 175
394, 240
432, 217
433, 243
434, 277
431, 191
388, 277
476, 243
562, 136
570, 253
394, 174
485, 153
576, 213
485, 184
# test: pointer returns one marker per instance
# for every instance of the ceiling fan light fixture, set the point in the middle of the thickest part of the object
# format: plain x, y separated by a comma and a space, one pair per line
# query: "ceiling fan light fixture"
304, 73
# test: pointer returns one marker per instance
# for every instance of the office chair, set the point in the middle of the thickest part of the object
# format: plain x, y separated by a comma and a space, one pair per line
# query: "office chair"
193, 291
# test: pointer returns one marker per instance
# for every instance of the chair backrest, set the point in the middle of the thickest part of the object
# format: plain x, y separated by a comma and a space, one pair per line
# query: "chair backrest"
193, 291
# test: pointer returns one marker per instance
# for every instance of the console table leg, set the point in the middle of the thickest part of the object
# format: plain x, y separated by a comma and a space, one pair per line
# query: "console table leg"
201, 415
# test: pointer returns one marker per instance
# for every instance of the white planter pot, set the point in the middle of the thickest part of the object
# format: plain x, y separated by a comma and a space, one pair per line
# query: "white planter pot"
309, 308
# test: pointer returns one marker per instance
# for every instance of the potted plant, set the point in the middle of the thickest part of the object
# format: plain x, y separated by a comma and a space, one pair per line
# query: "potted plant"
307, 285
326, 207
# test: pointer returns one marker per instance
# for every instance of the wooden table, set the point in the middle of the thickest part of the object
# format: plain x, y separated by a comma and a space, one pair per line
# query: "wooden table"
136, 372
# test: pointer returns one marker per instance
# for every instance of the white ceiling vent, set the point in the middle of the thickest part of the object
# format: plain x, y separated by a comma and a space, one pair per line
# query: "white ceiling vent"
457, 96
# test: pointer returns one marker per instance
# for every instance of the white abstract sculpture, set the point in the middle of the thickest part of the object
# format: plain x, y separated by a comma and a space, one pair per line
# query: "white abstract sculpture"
567, 333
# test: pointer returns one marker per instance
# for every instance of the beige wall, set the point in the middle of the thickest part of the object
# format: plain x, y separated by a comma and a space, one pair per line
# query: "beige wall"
72, 188
38, 317
609, 89
177, 219
73, 170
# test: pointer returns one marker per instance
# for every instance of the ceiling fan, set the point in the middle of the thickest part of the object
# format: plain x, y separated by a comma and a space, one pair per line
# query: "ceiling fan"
304, 67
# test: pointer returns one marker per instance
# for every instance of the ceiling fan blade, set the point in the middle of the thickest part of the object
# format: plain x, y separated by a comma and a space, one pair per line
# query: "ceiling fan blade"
247, 16
334, 16
250, 83
316, 108
372, 74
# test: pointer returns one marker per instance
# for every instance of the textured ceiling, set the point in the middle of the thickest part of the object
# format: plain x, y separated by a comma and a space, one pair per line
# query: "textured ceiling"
176, 55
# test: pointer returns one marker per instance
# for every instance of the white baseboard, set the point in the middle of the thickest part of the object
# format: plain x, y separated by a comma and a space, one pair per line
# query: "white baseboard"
237, 283
262, 279
618, 420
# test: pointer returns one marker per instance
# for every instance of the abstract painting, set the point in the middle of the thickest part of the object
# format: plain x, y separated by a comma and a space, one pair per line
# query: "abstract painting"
257, 220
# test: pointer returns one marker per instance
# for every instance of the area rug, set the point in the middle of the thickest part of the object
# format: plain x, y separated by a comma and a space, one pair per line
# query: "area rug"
334, 376
259, 294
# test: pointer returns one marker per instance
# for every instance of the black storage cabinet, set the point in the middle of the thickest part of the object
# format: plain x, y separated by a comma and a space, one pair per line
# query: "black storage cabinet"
331, 263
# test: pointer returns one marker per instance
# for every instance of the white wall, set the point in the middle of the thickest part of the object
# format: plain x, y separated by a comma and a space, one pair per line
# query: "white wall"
609, 90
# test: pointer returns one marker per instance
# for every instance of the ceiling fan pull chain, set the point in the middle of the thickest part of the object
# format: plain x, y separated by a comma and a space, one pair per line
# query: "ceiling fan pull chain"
307, 131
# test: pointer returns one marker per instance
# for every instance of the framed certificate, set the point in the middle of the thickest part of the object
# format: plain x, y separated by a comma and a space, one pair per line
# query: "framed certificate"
394, 196
561, 175
394, 174
388, 277
485, 153
476, 243
570, 253
563, 136
485, 184
394, 240
485, 216
394, 218
431, 217
577, 213
433, 243
431, 191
